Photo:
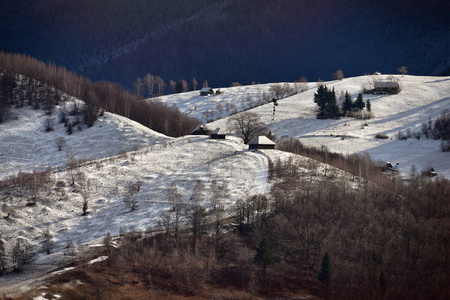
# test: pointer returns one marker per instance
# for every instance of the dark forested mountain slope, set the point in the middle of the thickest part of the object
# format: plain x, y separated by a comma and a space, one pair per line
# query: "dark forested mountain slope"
230, 40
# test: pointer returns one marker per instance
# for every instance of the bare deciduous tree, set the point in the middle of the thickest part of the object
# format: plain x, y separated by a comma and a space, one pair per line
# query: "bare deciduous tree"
403, 70
138, 85
198, 193
48, 124
85, 195
60, 142
130, 199
173, 195
194, 84
72, 165
219, 193
107, 242
339, 75
219, 108
149, 81
48, 243
248, 125
160, 85
303, 84
173, 86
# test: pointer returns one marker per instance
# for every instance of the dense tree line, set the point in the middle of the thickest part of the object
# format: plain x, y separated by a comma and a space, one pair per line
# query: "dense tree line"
109, 96
385, 241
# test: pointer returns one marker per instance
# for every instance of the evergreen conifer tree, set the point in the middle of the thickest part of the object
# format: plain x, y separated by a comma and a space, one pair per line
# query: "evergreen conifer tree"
348, 103
264, 256
332, 110
359, 103
368, 105
326, 100
320, 98
324, 274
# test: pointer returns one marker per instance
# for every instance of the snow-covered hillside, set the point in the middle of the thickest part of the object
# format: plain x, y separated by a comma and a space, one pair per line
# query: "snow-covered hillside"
105, 184
125, 152
25, 146
421, 98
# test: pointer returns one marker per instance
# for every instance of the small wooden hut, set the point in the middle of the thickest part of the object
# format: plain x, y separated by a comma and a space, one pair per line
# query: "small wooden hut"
200, 130
428, 172
218, 134
390, 87
261, 142
206, 91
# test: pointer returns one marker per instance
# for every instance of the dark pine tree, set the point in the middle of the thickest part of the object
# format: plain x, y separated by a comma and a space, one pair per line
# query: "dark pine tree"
320, 98
264, 256
332, 109
359, 103
326, 100
348, 103
324, 274
368, 105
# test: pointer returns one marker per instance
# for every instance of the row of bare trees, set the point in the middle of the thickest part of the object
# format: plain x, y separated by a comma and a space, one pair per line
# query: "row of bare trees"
385, 240
369, 238
380, 238
153, 86
109, 96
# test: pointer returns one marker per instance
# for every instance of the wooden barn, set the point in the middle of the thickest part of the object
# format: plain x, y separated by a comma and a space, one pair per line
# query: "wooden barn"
386, 166
261, 142
218, 134
390, 87
200, 130
428, 172
206, 91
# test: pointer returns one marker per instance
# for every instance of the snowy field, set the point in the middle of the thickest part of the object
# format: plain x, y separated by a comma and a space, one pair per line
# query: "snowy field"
25, 146
421, 98
124, 152
182, 161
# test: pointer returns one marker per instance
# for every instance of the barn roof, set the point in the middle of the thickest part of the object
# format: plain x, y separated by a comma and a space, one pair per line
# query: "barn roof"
218, 131
201, 127
386, 84
205, 90
261, 140
427, 169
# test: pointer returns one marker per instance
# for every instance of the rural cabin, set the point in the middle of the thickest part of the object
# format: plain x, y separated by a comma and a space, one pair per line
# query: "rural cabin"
206, 91
218, 134
386, 166
428, 172
261, 142
200, 130
390, 87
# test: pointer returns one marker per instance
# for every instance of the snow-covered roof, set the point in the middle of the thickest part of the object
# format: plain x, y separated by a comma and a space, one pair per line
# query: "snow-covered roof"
386, 84
218, 131
261, 140
427, 169
206, 90
200, 127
